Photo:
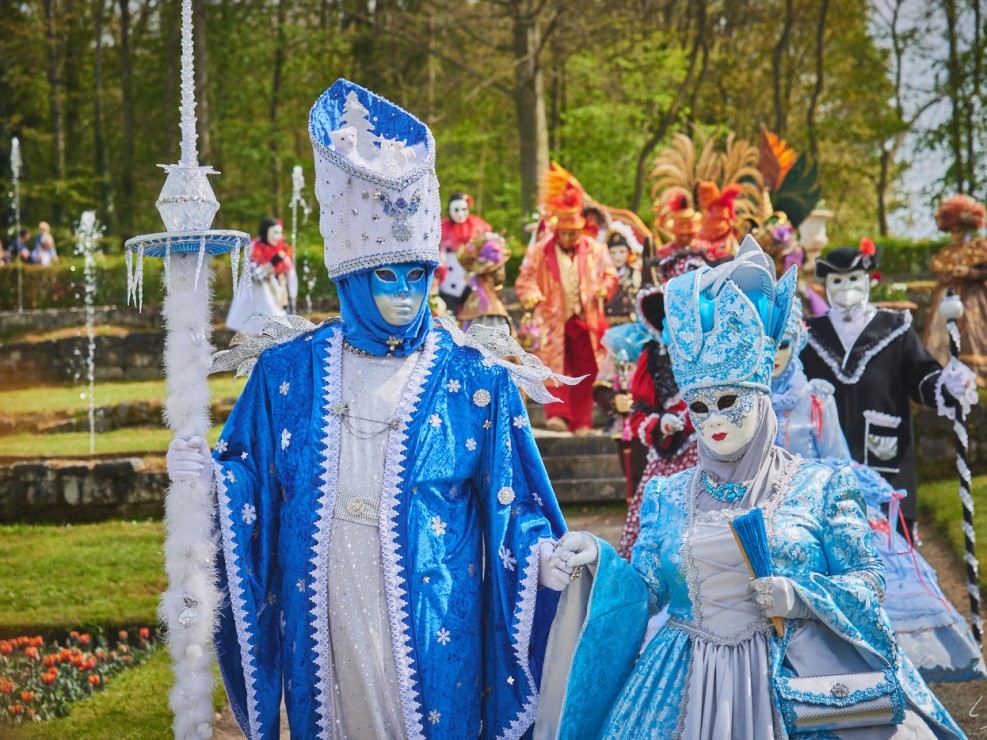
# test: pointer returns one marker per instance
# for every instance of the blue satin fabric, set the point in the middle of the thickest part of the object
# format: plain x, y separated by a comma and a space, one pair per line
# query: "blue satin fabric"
473, 502
366, 329
821, 541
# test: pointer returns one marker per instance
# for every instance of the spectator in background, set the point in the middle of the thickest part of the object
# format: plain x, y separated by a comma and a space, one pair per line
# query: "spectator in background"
44, 250
20, 248
44, 235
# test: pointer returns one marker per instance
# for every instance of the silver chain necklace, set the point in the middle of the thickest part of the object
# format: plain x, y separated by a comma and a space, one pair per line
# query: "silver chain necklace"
341, 410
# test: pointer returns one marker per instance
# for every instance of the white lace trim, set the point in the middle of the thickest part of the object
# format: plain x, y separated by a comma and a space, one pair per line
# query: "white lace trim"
397, 604
881, 419
525, 613
837, 368
319, 590
237, 601
956, 373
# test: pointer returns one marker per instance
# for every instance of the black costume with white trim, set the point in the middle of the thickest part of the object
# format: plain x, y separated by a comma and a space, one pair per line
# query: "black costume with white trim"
887, 367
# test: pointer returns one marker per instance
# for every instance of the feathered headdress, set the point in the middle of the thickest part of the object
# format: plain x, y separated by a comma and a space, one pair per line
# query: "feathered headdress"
792, 180
961, 212
561, 198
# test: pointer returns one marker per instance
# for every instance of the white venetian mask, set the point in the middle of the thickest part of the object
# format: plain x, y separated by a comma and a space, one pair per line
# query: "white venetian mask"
725, 417
275, 234
784, 355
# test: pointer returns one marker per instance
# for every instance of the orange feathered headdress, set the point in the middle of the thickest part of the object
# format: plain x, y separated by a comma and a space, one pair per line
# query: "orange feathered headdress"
961, 212
561, 198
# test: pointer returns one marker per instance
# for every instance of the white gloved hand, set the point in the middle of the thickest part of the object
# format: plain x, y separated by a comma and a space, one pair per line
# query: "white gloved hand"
189, 459
548, 575
777, 597
575, 550
671, 423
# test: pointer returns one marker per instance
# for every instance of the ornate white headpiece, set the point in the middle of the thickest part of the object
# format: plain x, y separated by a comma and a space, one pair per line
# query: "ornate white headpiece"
375, 181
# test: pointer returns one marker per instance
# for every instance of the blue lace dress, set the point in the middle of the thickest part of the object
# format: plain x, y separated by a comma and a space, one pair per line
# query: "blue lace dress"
708, 672
935, 636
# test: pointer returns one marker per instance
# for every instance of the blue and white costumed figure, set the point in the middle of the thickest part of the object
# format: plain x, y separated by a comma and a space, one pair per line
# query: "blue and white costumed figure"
719, 667
931, 632
386, 521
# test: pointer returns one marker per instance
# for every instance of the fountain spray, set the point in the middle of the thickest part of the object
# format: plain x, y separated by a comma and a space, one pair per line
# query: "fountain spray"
87, 237
15, 169
187, 206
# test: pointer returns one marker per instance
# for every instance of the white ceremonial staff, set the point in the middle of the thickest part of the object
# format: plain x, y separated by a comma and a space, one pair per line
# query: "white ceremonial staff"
187, 206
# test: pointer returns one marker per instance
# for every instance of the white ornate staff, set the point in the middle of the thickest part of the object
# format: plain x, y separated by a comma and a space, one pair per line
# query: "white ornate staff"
187, 206
297, 185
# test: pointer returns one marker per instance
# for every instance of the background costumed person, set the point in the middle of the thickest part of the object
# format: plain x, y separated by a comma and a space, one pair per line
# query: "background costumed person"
660, 420
929, 629
962, 266
459, 228
718, 668
484, 259
566, 279
385, 521
264, 291
877, 364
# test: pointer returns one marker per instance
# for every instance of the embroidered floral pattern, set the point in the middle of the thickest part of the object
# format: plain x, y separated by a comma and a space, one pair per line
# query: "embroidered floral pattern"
285, 439
443, 636
507, 558
438, 526
481, 398
283, 388
221, 446
453, 385
505, 496
248, 514
435, 420
470, 444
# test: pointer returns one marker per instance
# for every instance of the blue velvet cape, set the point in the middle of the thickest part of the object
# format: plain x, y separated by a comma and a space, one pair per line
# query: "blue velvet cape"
465, 504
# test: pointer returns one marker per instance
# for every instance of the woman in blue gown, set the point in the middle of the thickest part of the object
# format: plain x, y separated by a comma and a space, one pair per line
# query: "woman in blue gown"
717, 668
929, 629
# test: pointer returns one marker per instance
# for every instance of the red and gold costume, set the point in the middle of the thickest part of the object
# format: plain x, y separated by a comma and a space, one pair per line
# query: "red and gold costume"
567, 289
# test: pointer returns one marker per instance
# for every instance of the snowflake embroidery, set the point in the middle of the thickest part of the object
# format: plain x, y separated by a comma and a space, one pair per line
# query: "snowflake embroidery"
453, 386
520, 421
434, 716
443, 636
300, 585
507, 558
537, 498
283, 388
230, 477
248, 514
285, 439
435, 420
471, 569
470, 444
438, 526
481, 398
221, 446
244, 455
486, 424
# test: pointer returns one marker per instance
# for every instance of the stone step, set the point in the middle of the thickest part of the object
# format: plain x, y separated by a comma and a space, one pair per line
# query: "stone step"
599, 491
587, 467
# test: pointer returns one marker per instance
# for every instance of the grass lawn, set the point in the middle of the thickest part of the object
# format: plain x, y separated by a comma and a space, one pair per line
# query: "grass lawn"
940, 501
63, 577
72, 398
128, 440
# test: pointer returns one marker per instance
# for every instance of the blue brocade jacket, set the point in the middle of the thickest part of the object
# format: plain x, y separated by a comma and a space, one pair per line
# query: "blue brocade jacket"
465, 503
819, 538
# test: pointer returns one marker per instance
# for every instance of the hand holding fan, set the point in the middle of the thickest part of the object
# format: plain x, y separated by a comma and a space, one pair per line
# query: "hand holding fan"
752, 537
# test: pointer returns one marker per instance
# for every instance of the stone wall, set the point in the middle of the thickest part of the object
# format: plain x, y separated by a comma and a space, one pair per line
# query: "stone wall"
79, 491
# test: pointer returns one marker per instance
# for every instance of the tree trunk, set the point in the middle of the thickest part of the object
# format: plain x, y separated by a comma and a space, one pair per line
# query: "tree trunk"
777, 73
883, 178
55, 108
199, 40
529, 102
127, 104
697, 55
276, 80
953, 86
99, 141
810, 113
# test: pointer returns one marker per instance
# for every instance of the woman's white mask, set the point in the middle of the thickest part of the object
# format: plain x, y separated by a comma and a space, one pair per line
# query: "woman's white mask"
848, 289
784, 355
725, 417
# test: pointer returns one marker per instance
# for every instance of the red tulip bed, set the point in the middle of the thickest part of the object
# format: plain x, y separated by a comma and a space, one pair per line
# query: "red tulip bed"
38, 681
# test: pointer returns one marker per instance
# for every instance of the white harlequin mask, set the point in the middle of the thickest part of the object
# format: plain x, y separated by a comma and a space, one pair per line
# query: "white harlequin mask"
459, 211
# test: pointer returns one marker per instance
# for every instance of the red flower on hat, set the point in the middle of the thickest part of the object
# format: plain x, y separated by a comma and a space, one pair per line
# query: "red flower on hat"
867, 247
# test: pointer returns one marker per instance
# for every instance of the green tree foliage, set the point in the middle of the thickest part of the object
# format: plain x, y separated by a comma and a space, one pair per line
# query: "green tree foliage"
616, 80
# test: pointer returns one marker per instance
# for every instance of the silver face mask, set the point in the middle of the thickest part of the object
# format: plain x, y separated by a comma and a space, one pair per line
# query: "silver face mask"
848, 289
725, 417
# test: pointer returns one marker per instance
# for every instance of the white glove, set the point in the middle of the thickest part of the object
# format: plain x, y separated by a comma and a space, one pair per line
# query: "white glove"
189, 459
548, 575
960, 382
777, 597
671, 423
575, 550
